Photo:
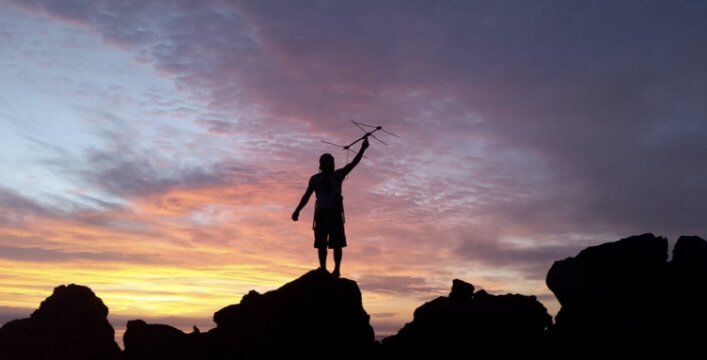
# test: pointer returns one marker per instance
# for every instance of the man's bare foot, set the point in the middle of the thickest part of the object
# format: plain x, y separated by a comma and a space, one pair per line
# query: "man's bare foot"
336, 273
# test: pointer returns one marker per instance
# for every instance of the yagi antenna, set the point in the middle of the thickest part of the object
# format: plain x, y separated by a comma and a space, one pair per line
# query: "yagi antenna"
369, 130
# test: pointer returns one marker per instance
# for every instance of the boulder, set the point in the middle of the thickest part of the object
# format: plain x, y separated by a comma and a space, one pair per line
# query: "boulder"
145, 341
316, 315
624, 297
467, 321
688, 294
72, 323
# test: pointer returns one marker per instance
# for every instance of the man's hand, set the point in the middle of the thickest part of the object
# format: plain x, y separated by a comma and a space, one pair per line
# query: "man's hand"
295, 216
365, 144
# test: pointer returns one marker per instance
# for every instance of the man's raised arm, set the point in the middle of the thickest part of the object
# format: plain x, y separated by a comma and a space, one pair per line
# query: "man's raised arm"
347, 169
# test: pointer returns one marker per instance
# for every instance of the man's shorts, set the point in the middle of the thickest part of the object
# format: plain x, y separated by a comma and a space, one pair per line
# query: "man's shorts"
329, 229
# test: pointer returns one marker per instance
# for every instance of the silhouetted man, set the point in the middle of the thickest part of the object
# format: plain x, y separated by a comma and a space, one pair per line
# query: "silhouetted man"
329, 207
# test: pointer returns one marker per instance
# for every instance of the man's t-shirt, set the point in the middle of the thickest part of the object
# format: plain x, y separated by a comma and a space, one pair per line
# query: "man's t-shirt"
327, 187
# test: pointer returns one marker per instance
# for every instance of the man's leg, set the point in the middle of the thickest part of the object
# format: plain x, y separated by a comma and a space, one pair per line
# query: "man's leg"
322, 257
338, 254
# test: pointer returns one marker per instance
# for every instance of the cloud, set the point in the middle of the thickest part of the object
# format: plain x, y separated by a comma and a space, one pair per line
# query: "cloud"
397, 285
533, 260
134, 175
9, 313
46, 255
218, 127
17, 205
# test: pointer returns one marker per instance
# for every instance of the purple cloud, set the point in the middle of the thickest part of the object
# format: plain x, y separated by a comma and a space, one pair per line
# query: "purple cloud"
398, 285
8, 313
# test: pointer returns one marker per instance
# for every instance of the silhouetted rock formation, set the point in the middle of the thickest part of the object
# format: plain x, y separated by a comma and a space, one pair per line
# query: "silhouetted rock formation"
317, 315
70, 324
687, 316
624, 297
468, 322
157, 341
461, 290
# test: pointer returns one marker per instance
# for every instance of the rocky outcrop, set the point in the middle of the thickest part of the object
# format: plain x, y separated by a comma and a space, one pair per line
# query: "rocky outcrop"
70, 324
144, 341
625, 297
316, 315
687, 315
468, 321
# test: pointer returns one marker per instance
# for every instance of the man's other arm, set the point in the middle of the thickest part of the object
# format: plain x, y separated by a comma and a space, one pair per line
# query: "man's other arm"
302, 202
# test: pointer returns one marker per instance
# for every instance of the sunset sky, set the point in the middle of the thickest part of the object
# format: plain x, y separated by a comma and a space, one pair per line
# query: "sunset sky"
154, 151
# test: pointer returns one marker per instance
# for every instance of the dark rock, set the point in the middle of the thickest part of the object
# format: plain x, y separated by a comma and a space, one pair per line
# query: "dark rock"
450, 326
624, 297
461, 290
70, 324
609, 295
317, 315
689, 255
688, 298
627, 267
157, 341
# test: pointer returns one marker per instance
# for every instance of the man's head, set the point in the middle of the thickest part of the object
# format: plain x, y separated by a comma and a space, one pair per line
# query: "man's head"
326, 162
